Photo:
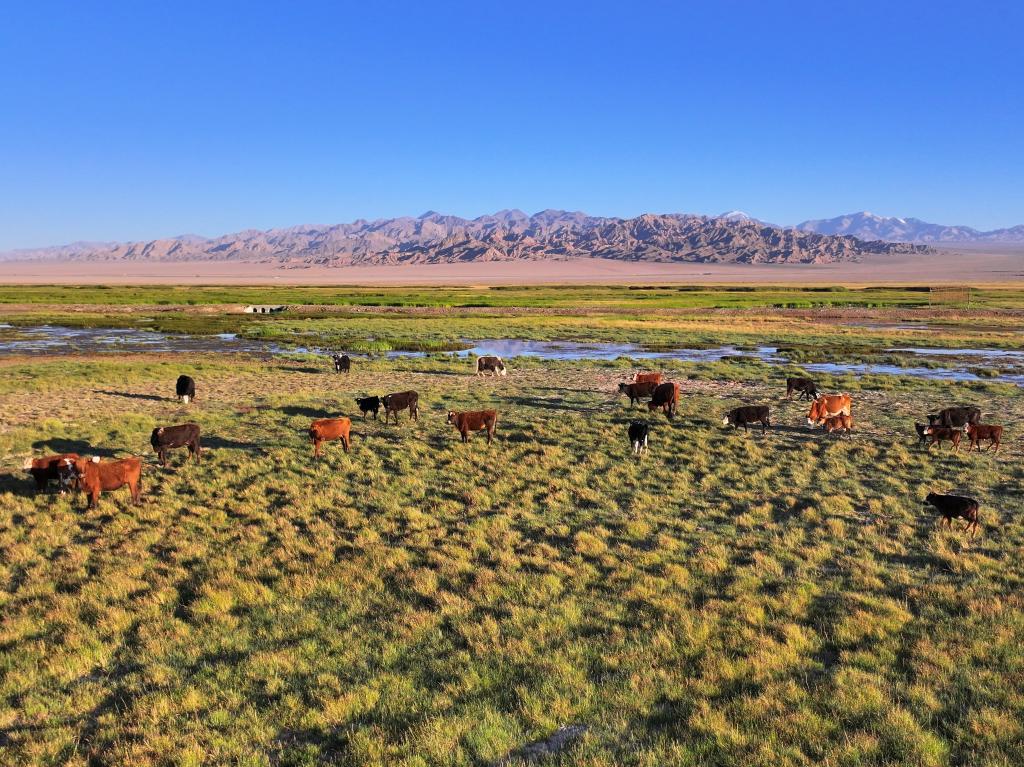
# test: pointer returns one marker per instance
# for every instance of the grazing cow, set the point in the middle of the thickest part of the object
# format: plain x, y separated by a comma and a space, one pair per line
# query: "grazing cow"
369, 405
490, 364
805, 387
841, 423
665, 396
920, 428
955, 416
741, 416
50, 467
638, 433
951, 507
474, 420
185, 388
394, 402
637, 391
654, 378
166, 438
95, 476
827, 406
941, 433
327, 429
980, 431
342, 363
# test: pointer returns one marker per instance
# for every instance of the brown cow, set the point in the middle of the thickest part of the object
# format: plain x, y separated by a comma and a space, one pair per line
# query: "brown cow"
400, 401
95, 476
654, 378
474, 420
50, 467
828, 406
327, 429
980, 431
841, 423
941, 433
666, 396
637, 391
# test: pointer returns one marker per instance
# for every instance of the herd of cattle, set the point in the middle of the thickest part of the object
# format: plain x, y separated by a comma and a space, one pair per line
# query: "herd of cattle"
833, 412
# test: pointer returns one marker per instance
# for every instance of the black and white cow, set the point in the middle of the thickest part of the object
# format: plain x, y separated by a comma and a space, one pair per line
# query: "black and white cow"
490, 364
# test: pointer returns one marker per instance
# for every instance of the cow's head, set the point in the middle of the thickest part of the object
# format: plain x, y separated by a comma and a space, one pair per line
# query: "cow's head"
28, 464
623, 387
451, 416
727, 419
929, 498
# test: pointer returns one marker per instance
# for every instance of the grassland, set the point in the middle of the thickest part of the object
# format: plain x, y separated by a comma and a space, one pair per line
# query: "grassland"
729, 599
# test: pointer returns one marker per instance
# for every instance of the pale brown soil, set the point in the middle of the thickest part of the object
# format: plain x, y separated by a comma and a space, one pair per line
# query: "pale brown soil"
976, 266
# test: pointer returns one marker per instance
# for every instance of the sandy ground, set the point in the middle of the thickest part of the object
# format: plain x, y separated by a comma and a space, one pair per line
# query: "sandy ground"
976, 265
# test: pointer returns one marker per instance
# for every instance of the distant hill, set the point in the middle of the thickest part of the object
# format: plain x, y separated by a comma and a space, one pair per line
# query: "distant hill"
508, 235
868, 226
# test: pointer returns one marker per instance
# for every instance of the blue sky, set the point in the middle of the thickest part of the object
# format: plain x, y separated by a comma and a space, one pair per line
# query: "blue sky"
142, 120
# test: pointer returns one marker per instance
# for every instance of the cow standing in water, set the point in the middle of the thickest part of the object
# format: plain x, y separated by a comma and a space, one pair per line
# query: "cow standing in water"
185, 388
490, 364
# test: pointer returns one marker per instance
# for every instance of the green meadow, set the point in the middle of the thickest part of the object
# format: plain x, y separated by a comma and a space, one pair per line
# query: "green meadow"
729, 598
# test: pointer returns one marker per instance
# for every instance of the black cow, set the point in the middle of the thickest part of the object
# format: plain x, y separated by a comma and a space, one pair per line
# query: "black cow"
741, 416
638, 433
922, 432
955, 506
957, 417
804, 386
369, 405
185, 388
394, 402
166, 438
342, 363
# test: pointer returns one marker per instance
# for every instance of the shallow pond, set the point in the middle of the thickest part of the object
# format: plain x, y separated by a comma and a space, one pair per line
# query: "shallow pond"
49, 339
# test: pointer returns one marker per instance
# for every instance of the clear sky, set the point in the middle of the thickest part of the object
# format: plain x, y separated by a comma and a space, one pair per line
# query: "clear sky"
148, 119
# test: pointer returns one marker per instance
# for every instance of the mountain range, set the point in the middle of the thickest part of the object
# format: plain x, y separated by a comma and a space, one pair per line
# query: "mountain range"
508, 235
868, 226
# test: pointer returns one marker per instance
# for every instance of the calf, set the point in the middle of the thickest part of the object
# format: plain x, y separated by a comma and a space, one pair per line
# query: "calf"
637, 391
369, 405
980, 431
95, 476
474, 420
165, 438
185, 388
490, 364
666, 397
805, 387
328, 429
638, 433
741, 416
394, 402
920, 428
951, 507
955, 416
654, 378
841, 423
342, 363
941, 433
50, 467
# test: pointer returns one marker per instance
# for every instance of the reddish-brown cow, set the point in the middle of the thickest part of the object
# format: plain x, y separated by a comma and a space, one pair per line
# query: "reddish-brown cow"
328, 429
666, 397
654, 378
45, 469
95, 476
979, 431
474, 420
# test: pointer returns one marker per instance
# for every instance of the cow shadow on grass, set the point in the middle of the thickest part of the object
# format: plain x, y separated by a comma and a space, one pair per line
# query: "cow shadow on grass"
132, 395
223, 443
308, 412
61, 445
546, 404
304, 369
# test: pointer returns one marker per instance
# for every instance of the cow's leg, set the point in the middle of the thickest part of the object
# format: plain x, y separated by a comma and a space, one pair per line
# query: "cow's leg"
135, 488
344, 442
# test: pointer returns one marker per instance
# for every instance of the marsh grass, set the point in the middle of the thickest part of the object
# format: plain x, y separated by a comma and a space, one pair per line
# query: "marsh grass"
729, 599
